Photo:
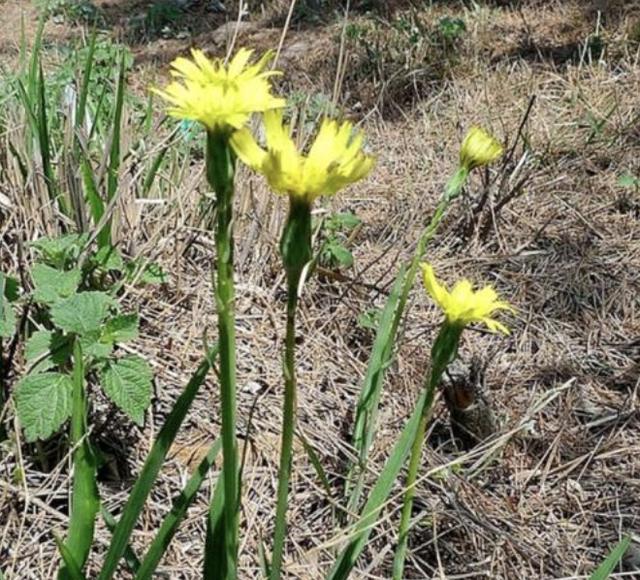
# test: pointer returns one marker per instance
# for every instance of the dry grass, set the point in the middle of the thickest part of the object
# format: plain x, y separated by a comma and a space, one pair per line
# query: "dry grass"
558, 485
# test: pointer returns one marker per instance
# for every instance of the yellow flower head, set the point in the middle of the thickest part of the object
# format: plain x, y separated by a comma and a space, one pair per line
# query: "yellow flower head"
479, 148
463, 305
334, 160
217, 95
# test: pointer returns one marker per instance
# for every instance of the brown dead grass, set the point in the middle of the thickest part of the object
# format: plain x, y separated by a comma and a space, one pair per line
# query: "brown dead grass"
558, 485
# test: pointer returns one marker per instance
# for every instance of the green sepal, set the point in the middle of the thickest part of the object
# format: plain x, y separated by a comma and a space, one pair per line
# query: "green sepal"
295, 244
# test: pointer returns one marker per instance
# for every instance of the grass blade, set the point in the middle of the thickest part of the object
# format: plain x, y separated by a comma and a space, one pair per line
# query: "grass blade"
215, 561
129, 555
606, 568
377, 498
73, 570
174, 517
81, 110
152, 466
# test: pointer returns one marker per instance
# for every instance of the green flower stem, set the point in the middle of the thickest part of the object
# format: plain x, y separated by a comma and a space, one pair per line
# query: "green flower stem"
220, 173
366, 418
295, 247
443, 353
84, 499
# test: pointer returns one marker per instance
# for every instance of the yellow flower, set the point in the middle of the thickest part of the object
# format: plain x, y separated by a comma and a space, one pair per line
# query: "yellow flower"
463, 305
479, 148
219, 96
334, 160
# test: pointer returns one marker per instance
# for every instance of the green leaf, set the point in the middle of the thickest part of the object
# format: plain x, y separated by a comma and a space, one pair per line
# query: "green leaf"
628, 180
152, 273
8, 293
82, 313
95, 344
122, 328
7, 318
44, 403
47, 342
9, 286
339, 254
370, 318
604, 570
109, 258
51, 284
343, 221
127, 382
59, 252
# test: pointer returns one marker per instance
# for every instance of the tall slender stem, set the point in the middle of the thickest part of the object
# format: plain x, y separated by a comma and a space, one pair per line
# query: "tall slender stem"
288, 426
443, 352
363, 432
220, 172
84, 498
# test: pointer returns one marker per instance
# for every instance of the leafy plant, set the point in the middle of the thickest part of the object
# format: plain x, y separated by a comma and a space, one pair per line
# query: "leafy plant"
333, 250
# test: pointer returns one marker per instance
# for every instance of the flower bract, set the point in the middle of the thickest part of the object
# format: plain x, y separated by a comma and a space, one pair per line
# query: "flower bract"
479, 148
335, 159
464, 305
217, 95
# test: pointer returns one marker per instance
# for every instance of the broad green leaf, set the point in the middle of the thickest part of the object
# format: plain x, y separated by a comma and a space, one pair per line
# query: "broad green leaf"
44, 403
52, 285
151, 274
59, 252
127, 382
82, 313
7, 318
50, 347
122, 328
95, 344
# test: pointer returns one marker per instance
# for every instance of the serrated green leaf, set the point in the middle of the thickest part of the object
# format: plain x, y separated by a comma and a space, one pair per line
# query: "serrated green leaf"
82, 313
127, 382
51, 347
44, 403
7, 318
61, 251
122, 328
52, 285
95, 344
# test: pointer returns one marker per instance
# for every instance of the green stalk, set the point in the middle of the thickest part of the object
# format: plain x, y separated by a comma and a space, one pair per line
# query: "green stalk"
84, 500
295, 247
368, 403
442, 354
288, 426
220, 173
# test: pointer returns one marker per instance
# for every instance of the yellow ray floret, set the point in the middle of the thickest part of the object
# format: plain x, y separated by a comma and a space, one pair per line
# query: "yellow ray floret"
334, 160
463, 305
479, 148
217, 95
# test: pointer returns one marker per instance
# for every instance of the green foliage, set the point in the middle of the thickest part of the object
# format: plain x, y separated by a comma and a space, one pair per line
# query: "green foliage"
629, 181
8, 294
334, 229
451, 29
71, 308
370, 319
44, 403
611, 561
74, 11
127, 382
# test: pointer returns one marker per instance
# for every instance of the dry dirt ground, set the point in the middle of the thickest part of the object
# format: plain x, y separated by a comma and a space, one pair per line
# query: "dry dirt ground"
558, 484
